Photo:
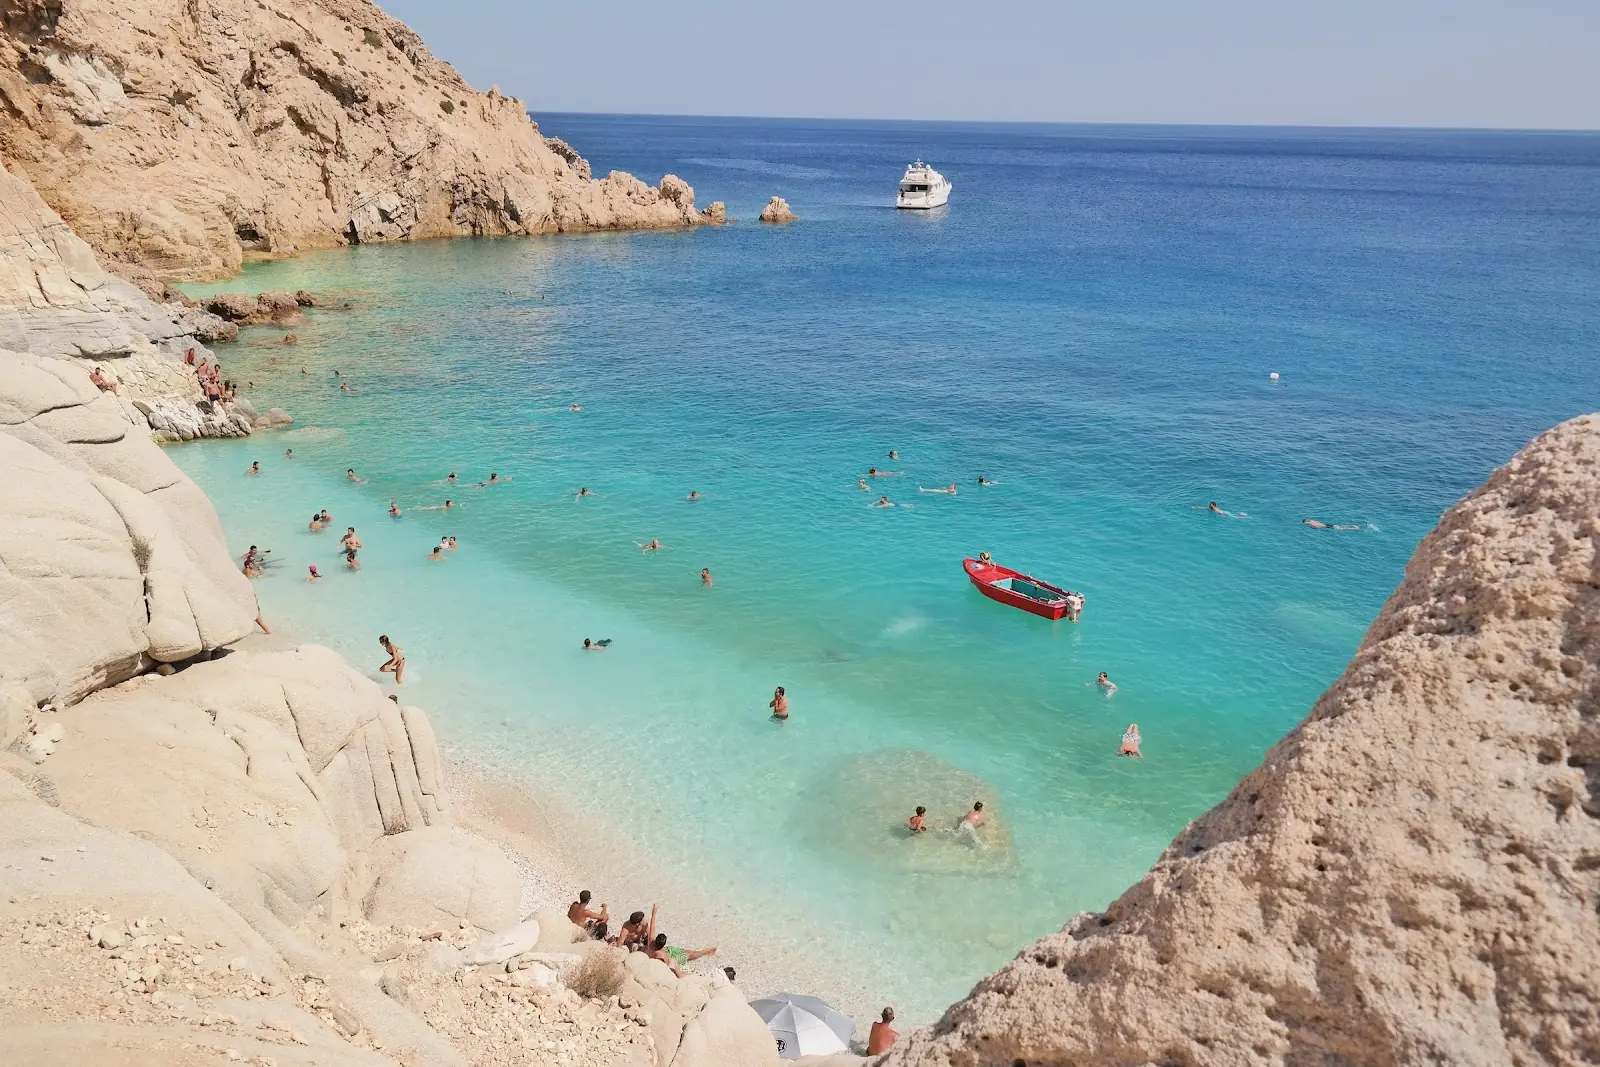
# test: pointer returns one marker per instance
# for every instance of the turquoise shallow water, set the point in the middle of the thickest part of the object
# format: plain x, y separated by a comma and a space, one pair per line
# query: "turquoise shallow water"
1091, 324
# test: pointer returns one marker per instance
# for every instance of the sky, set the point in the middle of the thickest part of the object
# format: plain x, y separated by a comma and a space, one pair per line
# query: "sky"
1476, 63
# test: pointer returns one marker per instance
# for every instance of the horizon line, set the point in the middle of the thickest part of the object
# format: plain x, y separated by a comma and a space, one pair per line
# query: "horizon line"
1353, 127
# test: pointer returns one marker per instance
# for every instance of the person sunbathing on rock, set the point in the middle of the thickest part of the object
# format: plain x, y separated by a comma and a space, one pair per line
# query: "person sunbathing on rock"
671, 955
634, 933
588, 918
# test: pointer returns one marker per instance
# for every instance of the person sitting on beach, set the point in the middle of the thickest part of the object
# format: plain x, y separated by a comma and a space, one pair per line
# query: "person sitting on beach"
437, 553
351, 474
586, 917
255, 468
1105, 683
882, 1035
671, 955
984, 481
779, 703
918, 823
313, 574
881, 502
596, 646
949, 490
396, 664
1130, 742
634, 934
705, 575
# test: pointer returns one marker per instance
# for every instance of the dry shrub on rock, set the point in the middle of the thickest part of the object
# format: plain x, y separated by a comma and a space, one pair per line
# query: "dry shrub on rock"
598, 975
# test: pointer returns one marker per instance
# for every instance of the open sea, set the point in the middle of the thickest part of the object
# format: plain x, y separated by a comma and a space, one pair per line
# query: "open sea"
1090, 324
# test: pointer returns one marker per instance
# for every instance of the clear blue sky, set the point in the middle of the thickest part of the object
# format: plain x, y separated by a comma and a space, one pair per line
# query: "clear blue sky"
1534, 63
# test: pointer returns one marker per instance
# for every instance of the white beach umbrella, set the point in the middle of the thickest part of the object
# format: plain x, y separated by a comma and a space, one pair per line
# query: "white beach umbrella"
804, 1026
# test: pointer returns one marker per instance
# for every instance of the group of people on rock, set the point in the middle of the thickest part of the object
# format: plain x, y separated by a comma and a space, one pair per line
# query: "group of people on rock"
636, 935
209, 375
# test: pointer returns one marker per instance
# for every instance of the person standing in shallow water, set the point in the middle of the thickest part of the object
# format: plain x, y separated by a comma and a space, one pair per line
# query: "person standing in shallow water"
396, 664
705, 575
779, 704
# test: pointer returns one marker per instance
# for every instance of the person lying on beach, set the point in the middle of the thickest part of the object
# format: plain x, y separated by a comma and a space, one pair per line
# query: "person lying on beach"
779, 704
396, 664
437, 553
586, 917
653, 546
881, 502
255, 468
634, 933
394, 510
918, 823
351, 474
446, 506
1105, 683
705, 575
984, 481
672, 956
314, 575
1130, 742
596, 646
949, 490
882, 1036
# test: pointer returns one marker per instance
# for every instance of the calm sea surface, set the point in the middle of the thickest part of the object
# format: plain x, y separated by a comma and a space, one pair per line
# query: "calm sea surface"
1090, 324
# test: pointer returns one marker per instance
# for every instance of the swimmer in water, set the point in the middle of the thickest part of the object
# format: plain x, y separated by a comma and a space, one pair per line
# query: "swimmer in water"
653, 546
437, 553
1213, 507
705, 575
1105, 683
918, 823
304, 371
344, 387
288, 453
874, 472
326, 518
984, 481
893, 454
881, 502
394, 509
452, 543
351, 474
582, 493
494, 479
694, 494
316, 523
446, 506
450, 479
350, 540
974, 818
949, 490
596, 646
861, 484
255, 468
779, 704
1314, 524
577, 407
313, 575
1130, 742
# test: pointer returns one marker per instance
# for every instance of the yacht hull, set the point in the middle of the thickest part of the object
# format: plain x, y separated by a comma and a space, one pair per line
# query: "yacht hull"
925, 201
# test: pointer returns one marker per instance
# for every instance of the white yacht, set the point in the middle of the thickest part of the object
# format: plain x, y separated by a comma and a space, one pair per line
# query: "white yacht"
922, 188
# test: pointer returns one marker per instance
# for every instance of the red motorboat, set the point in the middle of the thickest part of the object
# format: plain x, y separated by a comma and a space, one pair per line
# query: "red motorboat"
1020, 590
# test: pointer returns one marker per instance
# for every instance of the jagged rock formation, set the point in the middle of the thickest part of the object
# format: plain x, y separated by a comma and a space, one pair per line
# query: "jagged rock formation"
777, 210
177, 135
1412, 876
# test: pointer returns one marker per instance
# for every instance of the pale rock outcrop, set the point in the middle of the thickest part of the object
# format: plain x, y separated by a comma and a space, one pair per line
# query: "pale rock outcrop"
111, 559
180, 135
1412, 876
715, 213
439, 876
777, 210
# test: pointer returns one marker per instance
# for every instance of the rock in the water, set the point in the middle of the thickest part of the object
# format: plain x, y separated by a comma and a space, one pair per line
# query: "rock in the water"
234, 307
716, 213
777, 210
1411, 875
304, 299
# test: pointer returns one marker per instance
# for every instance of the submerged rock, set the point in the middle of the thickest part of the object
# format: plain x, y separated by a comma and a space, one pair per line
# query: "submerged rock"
1412, 874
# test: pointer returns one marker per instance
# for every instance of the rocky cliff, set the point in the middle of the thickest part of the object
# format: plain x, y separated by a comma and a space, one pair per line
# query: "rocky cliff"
178, 135
1412, 876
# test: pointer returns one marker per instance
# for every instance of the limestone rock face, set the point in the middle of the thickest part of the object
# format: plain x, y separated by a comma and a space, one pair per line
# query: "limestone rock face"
777, 210
438, 876
1412, 876
110, 557
181, 135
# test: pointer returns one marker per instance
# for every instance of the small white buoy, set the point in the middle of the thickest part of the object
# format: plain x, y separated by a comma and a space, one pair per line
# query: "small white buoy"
1272, 377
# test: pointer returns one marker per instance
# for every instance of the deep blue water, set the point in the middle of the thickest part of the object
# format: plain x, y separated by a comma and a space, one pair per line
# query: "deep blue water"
1090, 323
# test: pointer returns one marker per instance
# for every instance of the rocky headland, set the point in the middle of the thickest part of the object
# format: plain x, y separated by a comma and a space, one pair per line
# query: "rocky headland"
178, 136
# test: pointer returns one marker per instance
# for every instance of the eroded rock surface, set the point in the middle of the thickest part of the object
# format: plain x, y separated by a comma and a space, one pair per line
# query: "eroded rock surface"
180, 134
1412, 876
777, 210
